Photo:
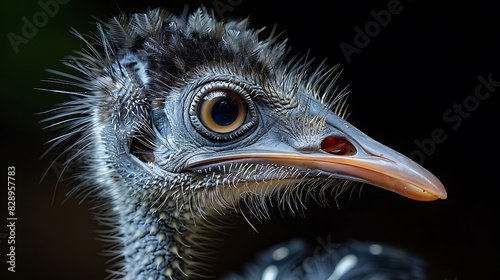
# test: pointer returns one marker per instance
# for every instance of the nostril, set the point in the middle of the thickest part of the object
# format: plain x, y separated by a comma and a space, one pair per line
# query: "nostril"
337, 146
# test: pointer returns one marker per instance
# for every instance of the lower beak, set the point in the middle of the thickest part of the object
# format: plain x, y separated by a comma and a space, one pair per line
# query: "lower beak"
401, 176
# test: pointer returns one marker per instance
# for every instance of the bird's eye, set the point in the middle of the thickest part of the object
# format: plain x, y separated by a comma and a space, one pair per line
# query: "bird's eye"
222, 111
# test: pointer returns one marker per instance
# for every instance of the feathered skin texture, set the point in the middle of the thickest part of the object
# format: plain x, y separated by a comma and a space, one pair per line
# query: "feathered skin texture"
139, 133
296, 260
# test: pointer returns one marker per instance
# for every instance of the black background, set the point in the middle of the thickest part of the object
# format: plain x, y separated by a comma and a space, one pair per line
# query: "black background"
424, 62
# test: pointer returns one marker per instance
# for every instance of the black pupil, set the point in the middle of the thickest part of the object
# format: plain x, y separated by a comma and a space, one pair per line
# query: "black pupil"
224, 111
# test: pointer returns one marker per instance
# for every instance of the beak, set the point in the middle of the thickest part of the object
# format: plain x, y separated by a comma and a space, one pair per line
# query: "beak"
349, 154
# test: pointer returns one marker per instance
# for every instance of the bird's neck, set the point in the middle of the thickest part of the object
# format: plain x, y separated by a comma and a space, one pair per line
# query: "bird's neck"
159, 242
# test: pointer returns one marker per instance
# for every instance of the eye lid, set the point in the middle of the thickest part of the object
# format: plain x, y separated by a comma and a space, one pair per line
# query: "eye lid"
216, 93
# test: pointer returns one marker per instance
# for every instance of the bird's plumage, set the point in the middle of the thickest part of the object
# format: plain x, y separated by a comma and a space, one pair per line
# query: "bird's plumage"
296, 259
181, 120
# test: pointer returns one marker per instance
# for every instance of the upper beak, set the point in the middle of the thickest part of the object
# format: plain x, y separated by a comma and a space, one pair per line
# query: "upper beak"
371, 163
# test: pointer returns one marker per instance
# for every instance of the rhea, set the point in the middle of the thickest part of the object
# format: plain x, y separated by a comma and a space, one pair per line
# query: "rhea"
181, 120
